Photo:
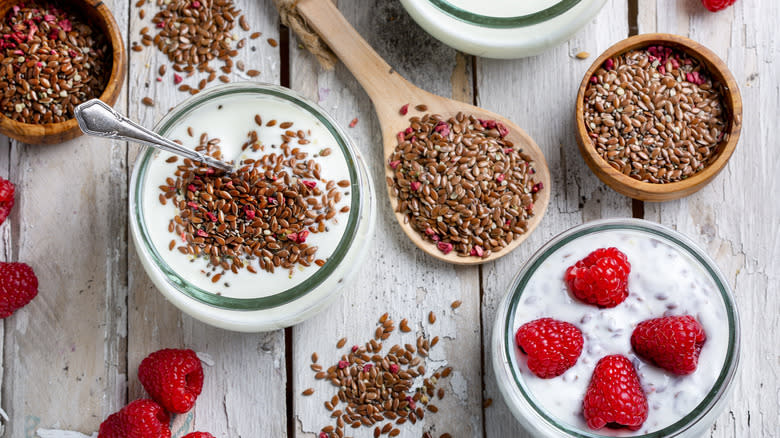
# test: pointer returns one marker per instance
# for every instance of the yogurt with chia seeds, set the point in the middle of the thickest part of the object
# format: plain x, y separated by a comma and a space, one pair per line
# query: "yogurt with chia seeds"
230, 119
664, 281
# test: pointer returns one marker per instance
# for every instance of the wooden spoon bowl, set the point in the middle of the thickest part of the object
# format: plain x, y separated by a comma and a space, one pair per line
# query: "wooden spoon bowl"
97, 13
647, 191
389, 92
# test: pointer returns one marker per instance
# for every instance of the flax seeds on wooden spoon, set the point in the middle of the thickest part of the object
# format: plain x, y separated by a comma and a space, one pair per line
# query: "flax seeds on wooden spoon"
389, 92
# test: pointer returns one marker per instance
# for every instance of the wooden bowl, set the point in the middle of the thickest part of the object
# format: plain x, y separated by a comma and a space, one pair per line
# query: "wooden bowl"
97, 13
647, 191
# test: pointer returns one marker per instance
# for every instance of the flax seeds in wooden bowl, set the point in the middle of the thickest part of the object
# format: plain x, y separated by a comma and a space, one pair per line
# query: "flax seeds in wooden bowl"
53, 56
658, 116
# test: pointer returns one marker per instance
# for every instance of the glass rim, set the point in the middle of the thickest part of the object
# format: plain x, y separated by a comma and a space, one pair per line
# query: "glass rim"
556, 10
725, 377
181, 285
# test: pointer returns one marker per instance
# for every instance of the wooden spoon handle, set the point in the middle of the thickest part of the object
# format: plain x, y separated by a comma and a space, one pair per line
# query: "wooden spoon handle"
385, 87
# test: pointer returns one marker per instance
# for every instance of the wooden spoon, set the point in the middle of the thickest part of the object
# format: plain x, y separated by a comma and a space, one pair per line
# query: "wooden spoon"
389, 92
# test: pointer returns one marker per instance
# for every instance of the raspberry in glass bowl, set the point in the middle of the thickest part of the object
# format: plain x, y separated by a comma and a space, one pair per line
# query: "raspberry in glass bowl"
674, 389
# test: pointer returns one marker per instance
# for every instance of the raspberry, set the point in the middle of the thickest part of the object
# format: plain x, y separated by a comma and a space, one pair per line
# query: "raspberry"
614, 397
140, 419
717, 5
7, 189
601, 278
174, 378
198, 435
672, 342
552, 346
18, 286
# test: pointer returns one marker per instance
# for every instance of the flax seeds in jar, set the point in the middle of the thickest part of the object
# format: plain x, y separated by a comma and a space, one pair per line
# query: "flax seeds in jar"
269, 244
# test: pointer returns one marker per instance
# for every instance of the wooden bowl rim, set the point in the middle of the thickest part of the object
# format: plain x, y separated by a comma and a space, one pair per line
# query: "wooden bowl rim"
732, 98
109, 95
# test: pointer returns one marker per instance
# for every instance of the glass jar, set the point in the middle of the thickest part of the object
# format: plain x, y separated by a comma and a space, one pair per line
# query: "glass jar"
502, 28
527, 407
302, 299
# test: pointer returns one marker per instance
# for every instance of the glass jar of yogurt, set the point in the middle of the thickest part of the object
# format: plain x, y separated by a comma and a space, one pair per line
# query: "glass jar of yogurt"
258, 298
669, 276
502, 28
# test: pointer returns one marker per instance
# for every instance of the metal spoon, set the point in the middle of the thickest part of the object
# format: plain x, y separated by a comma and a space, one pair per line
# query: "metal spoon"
100, 120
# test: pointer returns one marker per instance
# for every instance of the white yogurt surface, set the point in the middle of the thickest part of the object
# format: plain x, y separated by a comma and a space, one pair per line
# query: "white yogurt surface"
503, 8
231, 118
663, 281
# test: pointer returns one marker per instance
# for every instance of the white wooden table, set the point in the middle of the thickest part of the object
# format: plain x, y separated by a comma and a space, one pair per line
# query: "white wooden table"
70, 357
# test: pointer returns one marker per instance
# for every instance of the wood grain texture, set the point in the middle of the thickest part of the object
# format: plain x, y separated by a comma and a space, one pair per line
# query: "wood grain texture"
397, 277
247, 379
68, 343
736, 218
70, 337
538, 94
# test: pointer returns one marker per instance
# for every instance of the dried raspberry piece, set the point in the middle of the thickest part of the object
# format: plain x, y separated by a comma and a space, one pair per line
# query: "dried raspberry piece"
174, 378
198, 435
601, 278
552, 346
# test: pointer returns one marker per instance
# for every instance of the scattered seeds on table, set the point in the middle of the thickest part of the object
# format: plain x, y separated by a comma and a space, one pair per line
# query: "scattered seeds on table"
195, 33
462, 184
655, 114
148, 101
308, 391
582, 55
455, 304
380, 391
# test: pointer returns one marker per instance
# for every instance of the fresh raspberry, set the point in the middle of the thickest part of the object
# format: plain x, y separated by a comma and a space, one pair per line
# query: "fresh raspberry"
174, 378
7, 189
672, 342
198, 435
601, 278
717, 5
552, 346
614, 397
140, 419
18, 286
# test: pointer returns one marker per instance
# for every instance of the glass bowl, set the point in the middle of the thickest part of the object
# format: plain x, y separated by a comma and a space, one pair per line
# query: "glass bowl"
282, 308
502, 29
510, 371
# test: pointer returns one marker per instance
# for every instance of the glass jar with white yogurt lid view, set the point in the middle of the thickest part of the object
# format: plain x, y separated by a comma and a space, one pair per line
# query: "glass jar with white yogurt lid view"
273, 242
502, 28
618, 327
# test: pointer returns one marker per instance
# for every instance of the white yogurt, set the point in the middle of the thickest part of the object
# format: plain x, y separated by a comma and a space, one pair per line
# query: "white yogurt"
663, 281
231, 118
503, 8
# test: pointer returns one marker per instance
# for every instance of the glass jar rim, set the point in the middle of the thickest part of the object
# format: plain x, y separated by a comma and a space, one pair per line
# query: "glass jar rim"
559, 8
725, 377
180, 284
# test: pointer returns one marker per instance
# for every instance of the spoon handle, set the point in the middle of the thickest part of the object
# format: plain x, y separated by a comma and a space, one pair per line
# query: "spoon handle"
382, 83
98, 119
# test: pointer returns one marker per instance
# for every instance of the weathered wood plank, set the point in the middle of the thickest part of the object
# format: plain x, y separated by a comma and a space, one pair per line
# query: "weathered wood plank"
538, 94
65, 226
736, 218
397, 277
247, 380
